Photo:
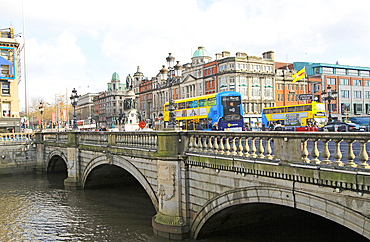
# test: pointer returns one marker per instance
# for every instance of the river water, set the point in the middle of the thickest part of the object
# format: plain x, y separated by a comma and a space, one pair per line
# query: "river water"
37, 208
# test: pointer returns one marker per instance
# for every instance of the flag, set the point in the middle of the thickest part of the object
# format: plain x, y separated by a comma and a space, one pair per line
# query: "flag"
299, 75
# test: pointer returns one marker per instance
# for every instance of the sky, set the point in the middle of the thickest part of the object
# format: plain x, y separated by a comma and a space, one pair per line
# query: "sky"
81, 43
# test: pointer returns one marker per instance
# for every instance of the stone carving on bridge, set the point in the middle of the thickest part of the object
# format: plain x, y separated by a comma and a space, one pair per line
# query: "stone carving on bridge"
109, 156
167, 177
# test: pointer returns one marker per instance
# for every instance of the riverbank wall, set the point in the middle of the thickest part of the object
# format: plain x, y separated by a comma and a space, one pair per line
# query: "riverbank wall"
17, 157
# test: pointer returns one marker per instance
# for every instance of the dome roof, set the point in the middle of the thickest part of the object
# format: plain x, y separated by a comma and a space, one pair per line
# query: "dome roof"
115, 76
200, 52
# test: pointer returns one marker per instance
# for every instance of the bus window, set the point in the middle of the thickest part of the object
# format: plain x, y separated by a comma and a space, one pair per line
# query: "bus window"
266, 111
182, 124
189, 104
307, 107
231, 107
280, 110
203, 122
202, 103
299, 108
195, 103
273, 110
181, 105
290, 109
211, 101
167, 108
190, 125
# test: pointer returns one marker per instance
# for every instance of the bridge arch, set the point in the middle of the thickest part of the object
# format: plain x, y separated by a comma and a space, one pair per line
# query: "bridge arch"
284, 197
54, 158
126, 165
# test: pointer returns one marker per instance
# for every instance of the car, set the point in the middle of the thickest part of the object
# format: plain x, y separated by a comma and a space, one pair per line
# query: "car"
338, 126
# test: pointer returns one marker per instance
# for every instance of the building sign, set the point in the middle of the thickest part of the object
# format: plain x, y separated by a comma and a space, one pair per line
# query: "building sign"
7, 66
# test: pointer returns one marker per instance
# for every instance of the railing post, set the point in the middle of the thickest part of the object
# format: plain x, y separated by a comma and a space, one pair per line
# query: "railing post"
268, 149
363, 156
337, 153
315, 152
326, 153
350, 155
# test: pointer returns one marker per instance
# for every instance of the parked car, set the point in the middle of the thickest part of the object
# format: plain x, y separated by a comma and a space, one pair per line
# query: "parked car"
343, 127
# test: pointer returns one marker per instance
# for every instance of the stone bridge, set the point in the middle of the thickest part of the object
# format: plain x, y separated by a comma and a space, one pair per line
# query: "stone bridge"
197, 181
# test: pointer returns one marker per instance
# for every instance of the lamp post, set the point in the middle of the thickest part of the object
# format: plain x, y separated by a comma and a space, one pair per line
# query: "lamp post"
329, 95
41, 109
174, 73
74, 99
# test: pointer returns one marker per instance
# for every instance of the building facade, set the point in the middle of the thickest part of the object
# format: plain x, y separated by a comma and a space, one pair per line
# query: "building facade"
351, 82
9, 104
85, 108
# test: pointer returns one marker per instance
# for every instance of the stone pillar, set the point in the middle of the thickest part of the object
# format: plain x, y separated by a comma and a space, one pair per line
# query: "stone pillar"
169, 222
40, 159
73, 179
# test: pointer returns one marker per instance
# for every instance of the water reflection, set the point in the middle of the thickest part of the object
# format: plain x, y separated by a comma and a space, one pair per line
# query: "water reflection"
37, 208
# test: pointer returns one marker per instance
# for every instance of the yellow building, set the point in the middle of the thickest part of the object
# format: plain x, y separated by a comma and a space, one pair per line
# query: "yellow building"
9, 101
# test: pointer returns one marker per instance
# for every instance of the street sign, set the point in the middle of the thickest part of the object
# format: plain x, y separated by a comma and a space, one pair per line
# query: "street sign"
142, 124
305, 96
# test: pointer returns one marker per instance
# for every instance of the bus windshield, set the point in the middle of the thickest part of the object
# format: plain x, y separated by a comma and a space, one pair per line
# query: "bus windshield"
231, 107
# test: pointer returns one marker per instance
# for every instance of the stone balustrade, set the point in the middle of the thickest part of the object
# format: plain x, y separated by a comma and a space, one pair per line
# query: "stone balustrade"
131, 140
275, 146
287, 146
11, 137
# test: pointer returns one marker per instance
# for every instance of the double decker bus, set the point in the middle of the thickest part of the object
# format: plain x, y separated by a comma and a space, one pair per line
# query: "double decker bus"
223, 109
295, 117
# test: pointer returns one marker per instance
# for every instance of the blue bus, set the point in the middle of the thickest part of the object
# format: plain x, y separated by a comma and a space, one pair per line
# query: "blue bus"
220, 111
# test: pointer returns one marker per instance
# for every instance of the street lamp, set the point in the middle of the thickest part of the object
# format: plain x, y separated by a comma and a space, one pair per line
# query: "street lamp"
41, 109
74, 99
174, 73
329, 95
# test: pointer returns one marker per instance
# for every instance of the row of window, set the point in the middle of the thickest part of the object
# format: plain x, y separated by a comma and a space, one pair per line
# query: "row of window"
345, 82
340, 71
356, 94
290, 97
240, 66
357, 108
280, 86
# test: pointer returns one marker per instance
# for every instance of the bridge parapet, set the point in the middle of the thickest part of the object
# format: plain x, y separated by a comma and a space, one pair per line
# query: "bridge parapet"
13, 137
288, 146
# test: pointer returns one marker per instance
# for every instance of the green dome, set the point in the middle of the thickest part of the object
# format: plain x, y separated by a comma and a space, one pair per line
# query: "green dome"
200, 52
115, 76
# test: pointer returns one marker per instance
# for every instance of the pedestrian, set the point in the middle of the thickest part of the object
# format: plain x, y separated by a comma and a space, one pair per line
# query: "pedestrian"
214, 127
247, 127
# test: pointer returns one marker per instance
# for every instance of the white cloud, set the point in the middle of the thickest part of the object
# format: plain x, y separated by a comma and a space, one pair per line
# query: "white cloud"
81, 43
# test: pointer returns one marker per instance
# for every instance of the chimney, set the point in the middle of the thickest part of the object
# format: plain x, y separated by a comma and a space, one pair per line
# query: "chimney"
268, 55
218, 56
225, 53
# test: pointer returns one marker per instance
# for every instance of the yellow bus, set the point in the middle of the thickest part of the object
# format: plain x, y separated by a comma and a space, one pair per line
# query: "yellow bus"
223, 110
295, 116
